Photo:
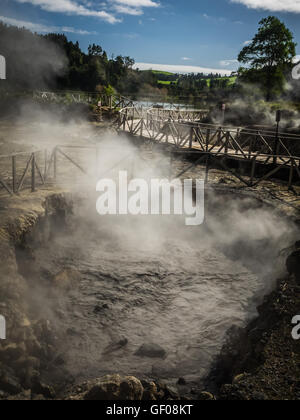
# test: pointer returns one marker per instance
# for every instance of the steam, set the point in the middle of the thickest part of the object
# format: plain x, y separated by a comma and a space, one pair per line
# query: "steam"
149, 278
145, 278
34, 69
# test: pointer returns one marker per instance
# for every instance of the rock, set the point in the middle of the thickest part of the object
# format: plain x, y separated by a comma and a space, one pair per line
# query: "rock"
40, 388
206, 396
293, 264
151, 350
10, 384
181, 381
115, 346
150, 391
115, 387
12, 352
239, 378
27, 362
24, 396
100, 308
259, 396
67, 279
164, 370
172, 392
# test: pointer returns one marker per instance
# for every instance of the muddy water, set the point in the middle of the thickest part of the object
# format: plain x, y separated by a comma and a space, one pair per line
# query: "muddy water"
149, 280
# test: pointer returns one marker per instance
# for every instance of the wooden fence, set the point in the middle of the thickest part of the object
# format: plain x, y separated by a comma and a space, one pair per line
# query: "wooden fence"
275, 151
34, 170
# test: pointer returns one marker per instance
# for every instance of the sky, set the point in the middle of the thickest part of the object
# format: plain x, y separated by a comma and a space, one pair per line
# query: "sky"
172, 35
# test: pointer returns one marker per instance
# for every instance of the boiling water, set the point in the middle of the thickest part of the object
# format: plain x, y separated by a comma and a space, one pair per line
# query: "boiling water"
152, 280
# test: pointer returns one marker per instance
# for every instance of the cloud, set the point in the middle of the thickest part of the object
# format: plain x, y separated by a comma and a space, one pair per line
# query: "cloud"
180, 68
186, 59
138, 3
247, 43
292, 6
132, 7
296, 59
71, 7
127, 10
37, 27
226, 63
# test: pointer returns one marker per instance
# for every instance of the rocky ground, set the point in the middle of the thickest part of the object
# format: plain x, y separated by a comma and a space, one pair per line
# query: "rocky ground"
262, 362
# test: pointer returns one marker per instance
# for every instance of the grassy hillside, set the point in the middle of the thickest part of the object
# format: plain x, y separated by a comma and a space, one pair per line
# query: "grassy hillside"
232, 80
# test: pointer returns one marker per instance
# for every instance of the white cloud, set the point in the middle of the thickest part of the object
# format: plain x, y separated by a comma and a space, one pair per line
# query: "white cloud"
186, 59
296, 59
138, 3
37, 27
247, 43
132, 7
71, 7
180, 68
272, 5
226, 63
125, 10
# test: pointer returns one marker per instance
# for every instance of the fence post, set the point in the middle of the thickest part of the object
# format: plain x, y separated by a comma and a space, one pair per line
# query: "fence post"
142, 126
207, 139
191, 137
291, 176
14, 174
33, 173
227, 142
207, 168
253, 170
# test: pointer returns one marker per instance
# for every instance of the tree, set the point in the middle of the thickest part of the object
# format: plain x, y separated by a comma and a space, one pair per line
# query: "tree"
269, 54
95, 50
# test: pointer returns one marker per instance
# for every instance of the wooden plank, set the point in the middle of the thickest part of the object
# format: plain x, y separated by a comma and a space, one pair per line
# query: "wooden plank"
24, 174
269, 174
6, 186
71, 160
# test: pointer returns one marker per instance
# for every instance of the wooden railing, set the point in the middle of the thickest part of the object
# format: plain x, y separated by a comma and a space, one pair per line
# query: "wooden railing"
65, 165
255, 147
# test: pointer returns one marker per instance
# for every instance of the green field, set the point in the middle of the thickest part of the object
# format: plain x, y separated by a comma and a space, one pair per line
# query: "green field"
232, 80
166, 82
162, 72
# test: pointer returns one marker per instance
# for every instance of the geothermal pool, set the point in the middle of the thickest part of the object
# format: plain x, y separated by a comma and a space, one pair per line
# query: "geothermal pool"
154, 280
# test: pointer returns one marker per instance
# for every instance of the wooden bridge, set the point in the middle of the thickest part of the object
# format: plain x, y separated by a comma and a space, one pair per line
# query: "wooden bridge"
250, 155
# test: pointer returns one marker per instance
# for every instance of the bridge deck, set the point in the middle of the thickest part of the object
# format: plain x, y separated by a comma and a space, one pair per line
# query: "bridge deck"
254, 149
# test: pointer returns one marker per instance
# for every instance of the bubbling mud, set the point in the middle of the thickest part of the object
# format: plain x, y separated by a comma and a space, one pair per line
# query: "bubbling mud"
153, 280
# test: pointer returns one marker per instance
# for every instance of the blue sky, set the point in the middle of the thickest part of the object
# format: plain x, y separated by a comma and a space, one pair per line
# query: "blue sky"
176, 35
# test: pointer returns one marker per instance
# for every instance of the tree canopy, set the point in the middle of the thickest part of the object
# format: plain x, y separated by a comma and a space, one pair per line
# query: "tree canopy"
268, 55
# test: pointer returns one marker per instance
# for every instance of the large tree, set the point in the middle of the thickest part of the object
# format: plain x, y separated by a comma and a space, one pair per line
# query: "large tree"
268, 55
